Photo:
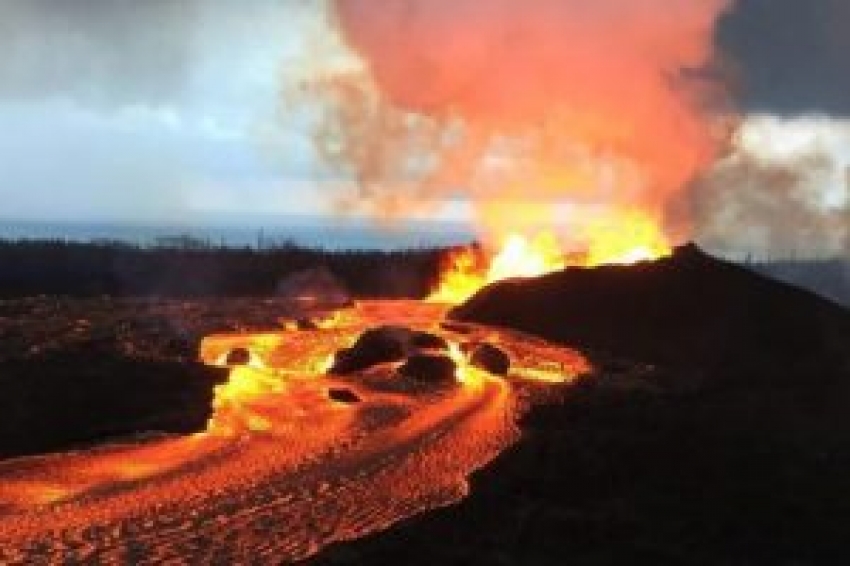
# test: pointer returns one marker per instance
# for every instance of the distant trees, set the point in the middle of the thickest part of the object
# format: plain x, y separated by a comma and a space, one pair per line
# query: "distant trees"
183, 266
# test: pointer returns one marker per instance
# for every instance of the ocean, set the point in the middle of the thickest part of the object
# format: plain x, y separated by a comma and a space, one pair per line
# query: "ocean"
313, 233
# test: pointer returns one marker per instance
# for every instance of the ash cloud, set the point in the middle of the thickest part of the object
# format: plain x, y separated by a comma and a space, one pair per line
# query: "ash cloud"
612, 102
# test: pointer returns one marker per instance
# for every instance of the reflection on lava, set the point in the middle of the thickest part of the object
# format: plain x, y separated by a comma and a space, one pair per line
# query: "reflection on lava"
282, 470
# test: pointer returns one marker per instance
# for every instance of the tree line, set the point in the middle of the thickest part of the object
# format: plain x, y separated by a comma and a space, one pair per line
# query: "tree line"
175, 268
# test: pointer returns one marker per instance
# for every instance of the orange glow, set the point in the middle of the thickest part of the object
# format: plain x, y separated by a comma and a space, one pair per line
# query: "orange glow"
466, 374
594, 107
623, 237
518, 257
279, 445
232, 401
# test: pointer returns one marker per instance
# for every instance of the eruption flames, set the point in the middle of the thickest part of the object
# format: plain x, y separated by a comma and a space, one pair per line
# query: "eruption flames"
573, 129
628, 238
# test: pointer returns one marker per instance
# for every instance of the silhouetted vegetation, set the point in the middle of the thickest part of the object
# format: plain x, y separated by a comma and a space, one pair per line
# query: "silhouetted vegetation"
180, 267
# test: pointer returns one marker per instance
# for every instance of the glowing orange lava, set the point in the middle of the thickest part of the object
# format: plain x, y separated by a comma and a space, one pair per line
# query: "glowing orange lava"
468, 269
623, 237
279, 451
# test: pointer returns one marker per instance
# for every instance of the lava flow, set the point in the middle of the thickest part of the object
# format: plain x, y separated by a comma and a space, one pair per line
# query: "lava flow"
285, 467
627, 237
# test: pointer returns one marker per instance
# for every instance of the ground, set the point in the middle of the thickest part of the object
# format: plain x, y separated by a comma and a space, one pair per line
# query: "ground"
634, 463
74, 371
625, 474
282, 469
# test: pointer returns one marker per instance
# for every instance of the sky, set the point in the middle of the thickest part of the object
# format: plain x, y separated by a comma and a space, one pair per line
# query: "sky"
171, 110
155, 110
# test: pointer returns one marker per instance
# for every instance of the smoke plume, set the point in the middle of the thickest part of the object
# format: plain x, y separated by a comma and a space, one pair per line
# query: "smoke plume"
783, 189
528, 110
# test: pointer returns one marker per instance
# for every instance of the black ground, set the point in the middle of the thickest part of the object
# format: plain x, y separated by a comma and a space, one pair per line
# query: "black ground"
714, 430
74, 371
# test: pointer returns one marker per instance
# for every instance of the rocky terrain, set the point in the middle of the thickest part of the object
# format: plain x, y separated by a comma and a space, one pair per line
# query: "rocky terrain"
298, 455
73, 371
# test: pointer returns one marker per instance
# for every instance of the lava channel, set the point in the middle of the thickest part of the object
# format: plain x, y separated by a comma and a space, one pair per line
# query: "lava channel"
283, 469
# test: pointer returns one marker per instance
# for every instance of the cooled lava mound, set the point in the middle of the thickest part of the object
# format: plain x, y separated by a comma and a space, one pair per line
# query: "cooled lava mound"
686, 311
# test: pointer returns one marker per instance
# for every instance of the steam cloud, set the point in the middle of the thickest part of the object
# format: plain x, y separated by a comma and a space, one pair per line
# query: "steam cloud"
566, 102
783, 189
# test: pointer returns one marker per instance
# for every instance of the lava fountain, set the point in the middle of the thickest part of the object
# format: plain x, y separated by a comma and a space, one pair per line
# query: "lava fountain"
573, 130
625, 238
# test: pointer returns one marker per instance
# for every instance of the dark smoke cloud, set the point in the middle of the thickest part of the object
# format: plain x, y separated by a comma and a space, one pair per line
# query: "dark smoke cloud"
512, 103
792, 54
98, 52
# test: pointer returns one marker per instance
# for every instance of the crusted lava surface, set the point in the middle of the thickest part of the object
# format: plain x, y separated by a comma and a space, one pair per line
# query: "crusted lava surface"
75, 371
292, 459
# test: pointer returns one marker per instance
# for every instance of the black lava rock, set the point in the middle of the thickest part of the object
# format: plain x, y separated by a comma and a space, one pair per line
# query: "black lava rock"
75, 396
376, 346
490, 358
238, 357
428, 341
306, 324
342, 395
179, 348
432, 368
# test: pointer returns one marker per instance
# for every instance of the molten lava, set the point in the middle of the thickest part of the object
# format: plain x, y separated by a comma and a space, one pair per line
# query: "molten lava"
281, 455
623, 237
469, 269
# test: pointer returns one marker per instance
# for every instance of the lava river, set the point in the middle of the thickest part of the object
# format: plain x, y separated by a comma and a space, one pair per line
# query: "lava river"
283, 470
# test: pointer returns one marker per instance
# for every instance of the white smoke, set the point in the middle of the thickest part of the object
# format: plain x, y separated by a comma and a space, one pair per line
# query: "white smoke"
783, 190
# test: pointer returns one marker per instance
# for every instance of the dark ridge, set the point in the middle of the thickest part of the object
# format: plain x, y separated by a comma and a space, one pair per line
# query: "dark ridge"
31, 268
687, 311
78, 396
